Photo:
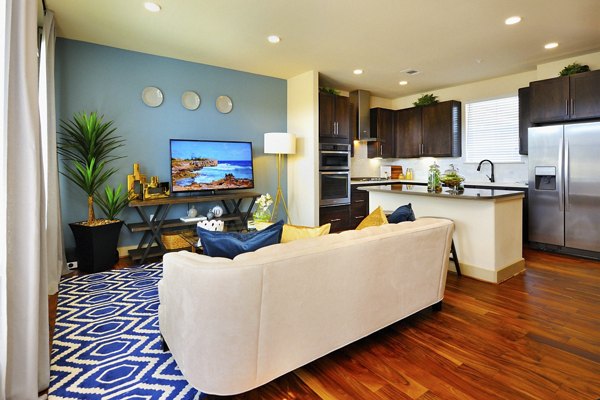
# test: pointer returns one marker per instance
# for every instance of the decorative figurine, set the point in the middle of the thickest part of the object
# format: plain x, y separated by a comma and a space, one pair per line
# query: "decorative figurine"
192, 212
135, 183
156, 189
217, 211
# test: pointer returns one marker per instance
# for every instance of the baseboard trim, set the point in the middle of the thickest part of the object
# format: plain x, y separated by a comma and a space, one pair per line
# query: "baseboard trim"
487, 275
510, 270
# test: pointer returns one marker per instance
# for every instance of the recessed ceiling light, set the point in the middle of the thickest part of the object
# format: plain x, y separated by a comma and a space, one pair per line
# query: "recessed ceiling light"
402, 83
512, 20
150, 6
274, 39
551, 45
357, 72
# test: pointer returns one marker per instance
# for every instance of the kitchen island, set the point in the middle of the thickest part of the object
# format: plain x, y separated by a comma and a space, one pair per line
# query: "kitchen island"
488, 224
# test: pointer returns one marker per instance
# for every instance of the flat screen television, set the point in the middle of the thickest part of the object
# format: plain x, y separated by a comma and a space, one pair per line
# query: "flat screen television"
210, 165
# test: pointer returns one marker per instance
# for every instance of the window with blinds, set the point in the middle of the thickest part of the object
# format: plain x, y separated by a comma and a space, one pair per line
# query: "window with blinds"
492, 130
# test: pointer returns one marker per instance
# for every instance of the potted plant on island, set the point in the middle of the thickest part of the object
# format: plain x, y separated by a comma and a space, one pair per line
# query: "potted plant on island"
87, 145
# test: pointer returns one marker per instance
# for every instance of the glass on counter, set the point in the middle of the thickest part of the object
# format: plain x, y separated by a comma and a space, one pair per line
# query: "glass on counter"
434, 184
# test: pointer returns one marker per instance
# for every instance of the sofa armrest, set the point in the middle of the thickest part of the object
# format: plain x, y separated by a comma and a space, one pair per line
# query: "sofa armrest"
211, 325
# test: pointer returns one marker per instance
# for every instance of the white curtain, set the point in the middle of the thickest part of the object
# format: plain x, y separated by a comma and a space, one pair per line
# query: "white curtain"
52, 240
24, 353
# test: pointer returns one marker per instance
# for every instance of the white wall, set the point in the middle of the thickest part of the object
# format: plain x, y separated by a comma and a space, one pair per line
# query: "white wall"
302, 167
551, 69
481, 90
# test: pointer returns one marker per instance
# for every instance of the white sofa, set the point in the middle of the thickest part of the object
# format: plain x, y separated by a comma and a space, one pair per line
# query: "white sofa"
233, 325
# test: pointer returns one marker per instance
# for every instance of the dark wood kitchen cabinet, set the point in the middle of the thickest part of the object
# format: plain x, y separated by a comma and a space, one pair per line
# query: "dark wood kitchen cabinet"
565, 98
359, 207
337, 216
441, 129
382, 127
334, 118
408, 129
430, 131
524, 120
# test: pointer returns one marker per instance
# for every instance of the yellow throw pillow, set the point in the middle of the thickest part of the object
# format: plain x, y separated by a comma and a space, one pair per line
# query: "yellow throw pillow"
376, 218
295, 232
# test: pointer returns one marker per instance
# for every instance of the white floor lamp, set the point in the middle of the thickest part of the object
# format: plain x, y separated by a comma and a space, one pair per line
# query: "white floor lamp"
280, 143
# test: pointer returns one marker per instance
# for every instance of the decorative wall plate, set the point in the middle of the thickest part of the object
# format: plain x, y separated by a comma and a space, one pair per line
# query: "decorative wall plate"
152, 96
224, 104
190, 100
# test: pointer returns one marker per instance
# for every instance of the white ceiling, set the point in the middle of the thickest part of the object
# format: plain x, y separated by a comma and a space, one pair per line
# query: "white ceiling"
450, 41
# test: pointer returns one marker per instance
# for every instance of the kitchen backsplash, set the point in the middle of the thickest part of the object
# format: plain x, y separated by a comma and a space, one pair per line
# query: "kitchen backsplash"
363, 166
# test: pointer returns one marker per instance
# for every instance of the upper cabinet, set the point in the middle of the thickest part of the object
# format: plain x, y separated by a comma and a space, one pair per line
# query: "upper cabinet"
382, 127
524, 119
441, 129
408, 132
429, 131
565, 98
334, 118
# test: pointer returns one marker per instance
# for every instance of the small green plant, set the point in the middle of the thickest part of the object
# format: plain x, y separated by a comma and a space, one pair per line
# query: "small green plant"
113, 201
324, 89
426, 100
573, 68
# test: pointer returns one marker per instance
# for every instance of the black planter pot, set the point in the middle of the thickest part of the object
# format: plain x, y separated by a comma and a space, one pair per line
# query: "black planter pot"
96, 246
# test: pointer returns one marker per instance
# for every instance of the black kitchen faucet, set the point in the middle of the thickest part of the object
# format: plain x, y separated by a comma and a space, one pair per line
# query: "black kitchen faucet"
491, 178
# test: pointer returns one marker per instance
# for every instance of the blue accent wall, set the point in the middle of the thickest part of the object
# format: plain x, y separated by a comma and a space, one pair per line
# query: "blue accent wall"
110, 81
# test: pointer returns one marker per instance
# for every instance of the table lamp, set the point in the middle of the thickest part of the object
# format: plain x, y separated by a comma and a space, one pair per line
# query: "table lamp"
280, 143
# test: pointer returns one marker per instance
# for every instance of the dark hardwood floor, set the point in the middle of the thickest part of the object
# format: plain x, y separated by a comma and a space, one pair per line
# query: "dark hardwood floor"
535, 336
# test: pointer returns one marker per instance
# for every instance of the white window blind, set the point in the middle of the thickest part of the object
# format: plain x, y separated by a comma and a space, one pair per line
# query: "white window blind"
492, 130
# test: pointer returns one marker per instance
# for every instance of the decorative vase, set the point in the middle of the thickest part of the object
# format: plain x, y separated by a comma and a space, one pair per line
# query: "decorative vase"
217, 211
192, 212
262, 215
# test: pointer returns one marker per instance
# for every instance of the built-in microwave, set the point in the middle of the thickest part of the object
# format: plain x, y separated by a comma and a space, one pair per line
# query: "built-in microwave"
334, 157
334, 188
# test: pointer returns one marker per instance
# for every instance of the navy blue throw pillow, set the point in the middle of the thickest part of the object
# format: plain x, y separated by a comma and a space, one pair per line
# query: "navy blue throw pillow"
402, 213
230, 244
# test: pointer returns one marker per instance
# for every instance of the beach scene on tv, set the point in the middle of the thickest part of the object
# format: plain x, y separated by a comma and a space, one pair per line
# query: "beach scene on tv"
206, 165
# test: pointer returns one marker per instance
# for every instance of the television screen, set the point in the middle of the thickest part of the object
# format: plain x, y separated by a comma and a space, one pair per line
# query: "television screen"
198, 165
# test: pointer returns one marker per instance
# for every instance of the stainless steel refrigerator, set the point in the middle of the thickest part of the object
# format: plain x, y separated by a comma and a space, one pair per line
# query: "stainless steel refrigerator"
564, 188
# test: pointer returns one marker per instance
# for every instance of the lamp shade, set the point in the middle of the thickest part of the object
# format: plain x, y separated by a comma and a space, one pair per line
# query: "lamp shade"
280, 143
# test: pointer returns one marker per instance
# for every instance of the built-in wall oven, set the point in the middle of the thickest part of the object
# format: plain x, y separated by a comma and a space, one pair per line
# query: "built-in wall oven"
334, 174
334, 157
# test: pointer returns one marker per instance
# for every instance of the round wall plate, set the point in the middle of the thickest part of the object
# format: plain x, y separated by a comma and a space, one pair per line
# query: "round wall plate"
224, 104
152, 96
190, 100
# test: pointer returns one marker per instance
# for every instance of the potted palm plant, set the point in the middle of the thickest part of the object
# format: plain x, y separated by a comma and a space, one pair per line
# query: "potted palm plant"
87, 145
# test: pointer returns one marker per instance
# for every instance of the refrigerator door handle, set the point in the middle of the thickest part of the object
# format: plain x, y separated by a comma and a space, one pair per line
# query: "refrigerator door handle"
559, 177
566, 172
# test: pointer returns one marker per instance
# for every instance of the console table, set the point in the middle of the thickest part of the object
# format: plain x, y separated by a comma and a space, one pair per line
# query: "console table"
152, 227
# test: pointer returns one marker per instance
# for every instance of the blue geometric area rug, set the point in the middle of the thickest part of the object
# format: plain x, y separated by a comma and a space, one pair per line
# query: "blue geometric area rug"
106, 342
